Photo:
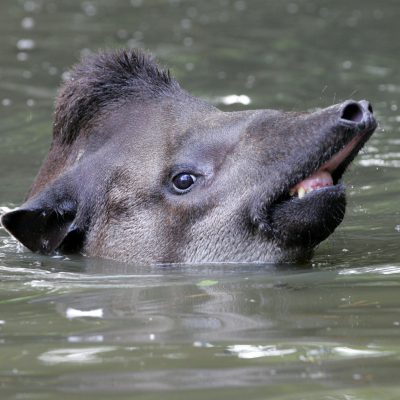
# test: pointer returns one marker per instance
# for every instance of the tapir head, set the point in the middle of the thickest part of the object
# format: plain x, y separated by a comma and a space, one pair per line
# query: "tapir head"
141, 171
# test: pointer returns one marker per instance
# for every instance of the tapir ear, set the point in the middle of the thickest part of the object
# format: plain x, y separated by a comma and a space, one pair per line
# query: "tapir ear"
42, 224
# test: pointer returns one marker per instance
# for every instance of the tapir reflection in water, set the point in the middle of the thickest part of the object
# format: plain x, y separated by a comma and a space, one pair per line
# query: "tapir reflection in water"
141, 171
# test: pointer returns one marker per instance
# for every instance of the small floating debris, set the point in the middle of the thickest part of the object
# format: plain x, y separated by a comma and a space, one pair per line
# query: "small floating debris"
207, 283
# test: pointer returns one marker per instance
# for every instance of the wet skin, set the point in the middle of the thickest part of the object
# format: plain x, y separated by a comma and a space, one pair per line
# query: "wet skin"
139, 170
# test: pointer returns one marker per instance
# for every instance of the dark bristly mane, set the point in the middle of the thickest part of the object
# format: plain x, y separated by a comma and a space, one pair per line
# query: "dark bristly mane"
103, 80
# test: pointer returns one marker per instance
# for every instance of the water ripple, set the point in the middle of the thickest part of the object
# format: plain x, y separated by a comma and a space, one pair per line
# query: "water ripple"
380, 270
250, 351
81, 355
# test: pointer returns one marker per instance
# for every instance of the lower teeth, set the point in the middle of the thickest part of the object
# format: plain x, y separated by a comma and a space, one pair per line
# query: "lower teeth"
301, 192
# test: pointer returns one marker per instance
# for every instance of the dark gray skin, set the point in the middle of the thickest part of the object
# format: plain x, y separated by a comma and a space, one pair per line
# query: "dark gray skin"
126, 137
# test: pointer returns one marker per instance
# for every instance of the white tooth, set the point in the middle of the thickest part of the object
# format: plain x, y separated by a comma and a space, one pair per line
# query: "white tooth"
309, 190
301, 192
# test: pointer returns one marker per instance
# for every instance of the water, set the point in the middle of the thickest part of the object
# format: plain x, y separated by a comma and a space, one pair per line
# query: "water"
81, 328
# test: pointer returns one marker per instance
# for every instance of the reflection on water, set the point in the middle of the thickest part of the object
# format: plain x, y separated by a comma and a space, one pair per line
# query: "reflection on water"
175, 328
73, 327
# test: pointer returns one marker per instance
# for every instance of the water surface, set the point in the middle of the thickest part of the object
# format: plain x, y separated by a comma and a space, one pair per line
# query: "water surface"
81, 328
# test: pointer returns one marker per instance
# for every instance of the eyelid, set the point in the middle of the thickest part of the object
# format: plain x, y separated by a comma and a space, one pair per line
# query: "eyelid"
184, 169
204, 171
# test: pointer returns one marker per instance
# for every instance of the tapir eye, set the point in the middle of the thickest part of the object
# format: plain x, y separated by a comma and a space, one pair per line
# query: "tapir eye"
183, 182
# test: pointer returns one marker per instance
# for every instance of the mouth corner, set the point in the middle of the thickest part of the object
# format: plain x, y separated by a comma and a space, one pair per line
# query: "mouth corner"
308, 221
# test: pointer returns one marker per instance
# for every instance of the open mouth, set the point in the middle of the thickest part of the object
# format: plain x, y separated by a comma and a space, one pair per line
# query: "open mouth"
329, 173
313, 203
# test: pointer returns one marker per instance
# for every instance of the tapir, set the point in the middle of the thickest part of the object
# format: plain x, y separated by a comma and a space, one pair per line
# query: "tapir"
141, 171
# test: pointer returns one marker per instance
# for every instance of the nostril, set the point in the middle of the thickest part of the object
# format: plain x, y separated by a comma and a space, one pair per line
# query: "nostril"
353, 112
366, 105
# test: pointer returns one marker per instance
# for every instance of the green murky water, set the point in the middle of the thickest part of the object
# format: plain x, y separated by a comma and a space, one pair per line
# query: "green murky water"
82, 328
